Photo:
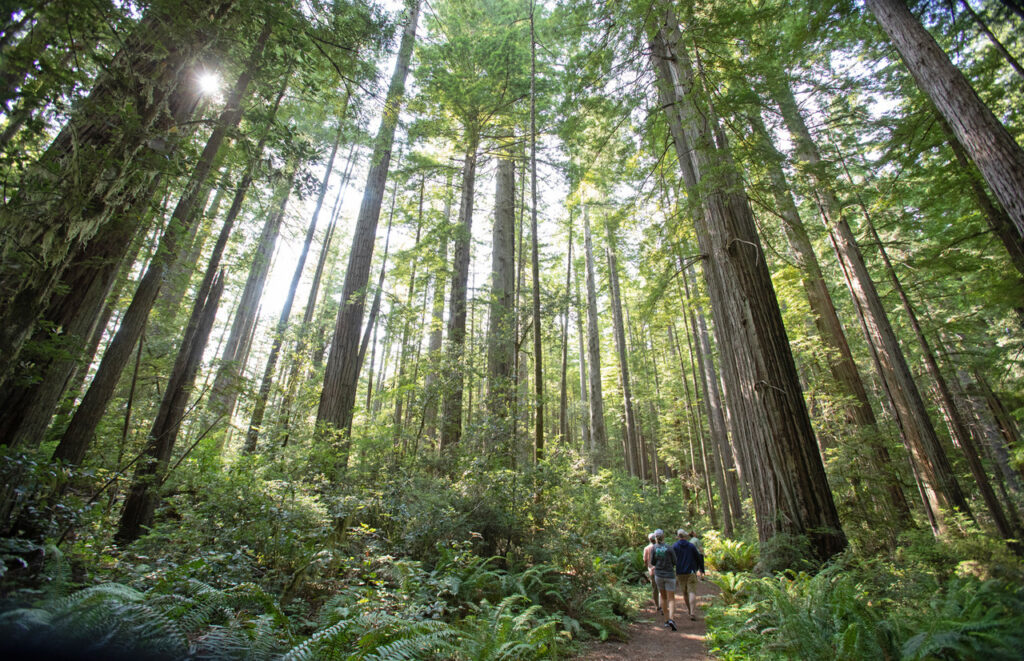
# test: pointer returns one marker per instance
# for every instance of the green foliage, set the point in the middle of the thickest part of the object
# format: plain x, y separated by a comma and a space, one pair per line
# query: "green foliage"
506, 631
730, 555
869, 609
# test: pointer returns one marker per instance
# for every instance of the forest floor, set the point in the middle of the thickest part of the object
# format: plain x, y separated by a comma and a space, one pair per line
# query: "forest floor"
648, 639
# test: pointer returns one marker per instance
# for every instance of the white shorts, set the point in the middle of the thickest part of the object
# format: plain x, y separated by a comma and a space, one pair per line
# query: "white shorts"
666, 584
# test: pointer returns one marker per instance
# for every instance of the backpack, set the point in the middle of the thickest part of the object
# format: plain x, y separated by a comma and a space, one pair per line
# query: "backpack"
662, 559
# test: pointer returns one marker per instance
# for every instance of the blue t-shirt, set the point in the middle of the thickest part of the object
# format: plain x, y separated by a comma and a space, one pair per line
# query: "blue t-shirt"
687, 558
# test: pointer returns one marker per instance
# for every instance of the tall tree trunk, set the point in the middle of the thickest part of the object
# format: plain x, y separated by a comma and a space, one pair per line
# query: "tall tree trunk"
26, 409
939, 483
586, 449
732, 510
501, 322
226, 387
260, 406
371, 322
431, 392
400, 380
997, 155
790, 491
100, 162
618, 330
996, 217
538, 360
958, 428
299, 355
451, 415
1005, 422
78, 436
563, 394
142, 497
598, 435
341, 378
844, 371
1010, 59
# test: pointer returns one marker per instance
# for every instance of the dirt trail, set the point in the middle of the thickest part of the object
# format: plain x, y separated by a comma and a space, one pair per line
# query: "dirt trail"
648, 639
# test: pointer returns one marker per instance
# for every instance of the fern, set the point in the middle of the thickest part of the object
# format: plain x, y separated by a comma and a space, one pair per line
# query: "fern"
501, 633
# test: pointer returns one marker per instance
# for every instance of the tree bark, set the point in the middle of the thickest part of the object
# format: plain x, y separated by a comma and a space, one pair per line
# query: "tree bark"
142, 497
844, 371
118, 136
78, 436
916, 429
225, 390
431, 391
451, 415
1010, 59
999, 158
538, 359
790, 491
586, 449
618, 330
598, 435
563, 389
78, 311
341, 378
500, 320
260, 405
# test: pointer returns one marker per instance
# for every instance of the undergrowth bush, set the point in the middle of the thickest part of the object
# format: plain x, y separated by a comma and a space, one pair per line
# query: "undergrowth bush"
729, 555
915, 608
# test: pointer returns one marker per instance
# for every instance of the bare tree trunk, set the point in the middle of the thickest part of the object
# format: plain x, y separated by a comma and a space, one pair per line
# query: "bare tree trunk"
341, 377
538, 360
563, 394
939, 482
80, 311
598, 435
501, 322
142, 497
225, 391
1004, 421
997, 155
844, 371
996, 217
451, 416
1010, 59
618, 330
586, 449
431, 391
78, 436
732, 510
406, 316
958, 429
371, 322
260, 406
790, 491
298, 357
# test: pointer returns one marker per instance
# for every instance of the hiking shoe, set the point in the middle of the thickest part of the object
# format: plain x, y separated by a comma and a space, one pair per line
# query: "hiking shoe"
693, 617
671, 625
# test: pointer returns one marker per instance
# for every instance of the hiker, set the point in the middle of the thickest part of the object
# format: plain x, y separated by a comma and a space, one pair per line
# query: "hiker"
665, 576
687, 565
695, 540
649, 563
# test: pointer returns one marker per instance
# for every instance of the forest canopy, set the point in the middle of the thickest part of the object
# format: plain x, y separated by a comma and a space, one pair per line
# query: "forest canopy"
365, 329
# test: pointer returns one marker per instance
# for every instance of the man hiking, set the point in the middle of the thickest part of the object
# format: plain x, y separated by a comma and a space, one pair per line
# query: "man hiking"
664, 560
649, 563
687, 564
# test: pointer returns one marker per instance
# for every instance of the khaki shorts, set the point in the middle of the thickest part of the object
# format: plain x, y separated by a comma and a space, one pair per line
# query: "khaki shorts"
666, 584
686, 583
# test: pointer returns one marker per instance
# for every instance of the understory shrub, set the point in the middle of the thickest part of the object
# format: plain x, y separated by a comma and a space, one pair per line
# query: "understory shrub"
866, 609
